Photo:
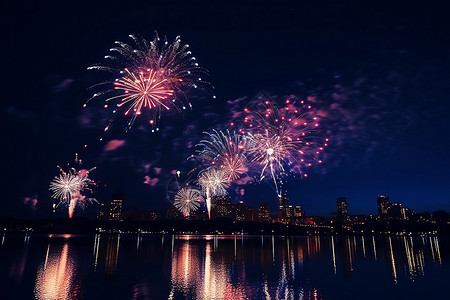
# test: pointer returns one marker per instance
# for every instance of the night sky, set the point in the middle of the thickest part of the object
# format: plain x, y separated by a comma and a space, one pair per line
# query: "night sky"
378, 74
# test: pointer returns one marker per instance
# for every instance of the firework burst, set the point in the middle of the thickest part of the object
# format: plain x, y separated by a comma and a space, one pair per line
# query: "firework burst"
65, 185
214, 182
156, 74
225, 151
142, 90
187, 200
68, 186
282, 140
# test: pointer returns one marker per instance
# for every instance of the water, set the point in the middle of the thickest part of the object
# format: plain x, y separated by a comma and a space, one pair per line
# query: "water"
223, 267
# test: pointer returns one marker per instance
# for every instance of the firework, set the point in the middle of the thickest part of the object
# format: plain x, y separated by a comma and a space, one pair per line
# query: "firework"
68, 186
78, 203
282, 140
187, 200
224, 151
142, 90
155, 74
214, 182
65, 185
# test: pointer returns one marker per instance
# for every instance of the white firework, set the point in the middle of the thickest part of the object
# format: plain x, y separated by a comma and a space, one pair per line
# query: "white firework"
187, 200
214, 182
225, 151
65, 185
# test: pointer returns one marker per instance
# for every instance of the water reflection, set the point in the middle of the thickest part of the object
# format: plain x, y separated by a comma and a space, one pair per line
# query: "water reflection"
205, 270
112, 254
106, 252
18, 264
54, 279
217, 266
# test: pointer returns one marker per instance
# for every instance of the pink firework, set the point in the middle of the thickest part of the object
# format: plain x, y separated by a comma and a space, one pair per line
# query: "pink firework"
155, 74
224, 150
282, 139
144, 90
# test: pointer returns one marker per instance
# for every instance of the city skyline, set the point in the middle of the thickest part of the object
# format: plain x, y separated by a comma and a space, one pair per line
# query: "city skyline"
225, 207
225, 150
375, 78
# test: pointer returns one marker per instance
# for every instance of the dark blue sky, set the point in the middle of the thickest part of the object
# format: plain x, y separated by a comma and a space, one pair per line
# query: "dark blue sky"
379, 72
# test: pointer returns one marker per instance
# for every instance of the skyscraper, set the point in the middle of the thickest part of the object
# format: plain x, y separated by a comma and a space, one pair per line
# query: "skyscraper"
283, 207
342, 207
115, 207
383, 204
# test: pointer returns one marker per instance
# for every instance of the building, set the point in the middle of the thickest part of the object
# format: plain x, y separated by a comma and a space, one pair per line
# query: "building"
113, 210
115, 207
342, 207
398, 211
263, 212
243, 213
383, 204
199, 214
283, 208
221, 207
102, 213
138, 214
298, 212
171, 213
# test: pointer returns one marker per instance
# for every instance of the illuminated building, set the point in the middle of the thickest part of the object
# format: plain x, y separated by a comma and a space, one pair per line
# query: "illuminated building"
242, 213
283, 208
115, 207
102, 213
199, 214
263, 212
221, 207
383, 204
398, 211
298, 212
342, 207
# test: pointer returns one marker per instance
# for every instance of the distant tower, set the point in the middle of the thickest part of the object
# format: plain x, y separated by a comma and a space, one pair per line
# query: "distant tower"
383, 205
115, 207
342, 207
263, 212
283, 207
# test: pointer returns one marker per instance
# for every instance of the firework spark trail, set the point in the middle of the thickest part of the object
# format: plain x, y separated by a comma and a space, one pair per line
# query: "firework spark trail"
214, 182
225, 151
172, 72
142, 91
282, 140
67, 186
187, 200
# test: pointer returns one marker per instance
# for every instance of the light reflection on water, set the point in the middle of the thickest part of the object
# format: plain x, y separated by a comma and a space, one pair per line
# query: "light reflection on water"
219, 267
55, 276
